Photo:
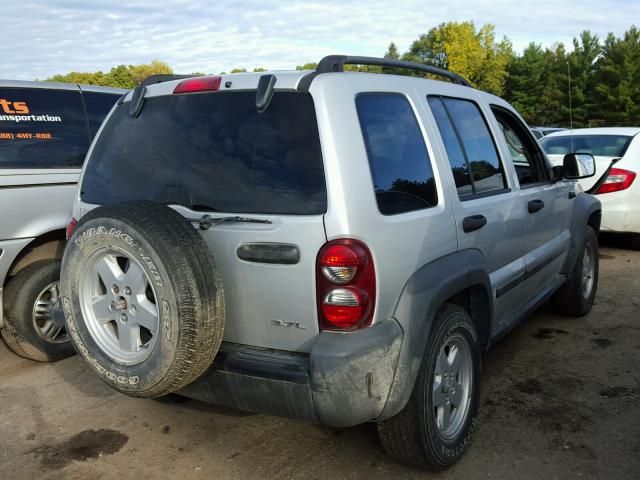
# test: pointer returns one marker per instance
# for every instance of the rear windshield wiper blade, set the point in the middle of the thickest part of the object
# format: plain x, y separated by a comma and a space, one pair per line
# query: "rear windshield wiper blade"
206, 222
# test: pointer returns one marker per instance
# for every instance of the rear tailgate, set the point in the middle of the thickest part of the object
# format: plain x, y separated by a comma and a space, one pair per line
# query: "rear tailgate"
270, 305
212, 153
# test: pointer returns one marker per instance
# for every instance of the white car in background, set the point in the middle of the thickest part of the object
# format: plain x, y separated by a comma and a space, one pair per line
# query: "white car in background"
617, 154
540, 132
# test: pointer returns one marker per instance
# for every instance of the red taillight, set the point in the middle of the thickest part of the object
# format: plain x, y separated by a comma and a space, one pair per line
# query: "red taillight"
618, 179
71, 226
198, 84
346, 285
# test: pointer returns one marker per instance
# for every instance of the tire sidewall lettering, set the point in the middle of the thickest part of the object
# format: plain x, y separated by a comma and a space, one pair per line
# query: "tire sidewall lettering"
452, 450
97, 366
135, 247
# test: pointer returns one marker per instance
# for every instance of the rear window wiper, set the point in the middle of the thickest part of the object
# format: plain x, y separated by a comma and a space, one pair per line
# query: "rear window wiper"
207, 221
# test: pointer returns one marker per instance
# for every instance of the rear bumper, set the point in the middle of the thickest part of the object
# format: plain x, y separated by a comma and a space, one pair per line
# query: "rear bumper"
345, 379
621, 210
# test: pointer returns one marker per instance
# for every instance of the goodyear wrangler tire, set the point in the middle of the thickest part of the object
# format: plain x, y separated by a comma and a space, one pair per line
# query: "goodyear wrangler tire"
434, 429
142, 297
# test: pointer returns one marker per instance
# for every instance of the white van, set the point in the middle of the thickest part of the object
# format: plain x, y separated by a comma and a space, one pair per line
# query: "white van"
45, 132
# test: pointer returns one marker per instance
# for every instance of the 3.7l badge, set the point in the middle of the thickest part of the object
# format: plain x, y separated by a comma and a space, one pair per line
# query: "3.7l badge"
280, 323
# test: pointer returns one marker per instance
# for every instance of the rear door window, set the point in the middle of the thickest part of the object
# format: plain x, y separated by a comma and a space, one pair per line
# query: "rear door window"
212, 152
472, 153
42, 128
402, 175
98, 105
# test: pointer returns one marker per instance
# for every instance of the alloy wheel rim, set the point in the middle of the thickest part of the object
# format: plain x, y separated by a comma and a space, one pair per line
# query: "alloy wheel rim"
119, 307
588, 270
452, 387
47, 315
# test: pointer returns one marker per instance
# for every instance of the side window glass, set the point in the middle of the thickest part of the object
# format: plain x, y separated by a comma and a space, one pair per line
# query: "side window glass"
457, 158
525, 154
470, 148
98, 105
478, 145
42, 128
400, 165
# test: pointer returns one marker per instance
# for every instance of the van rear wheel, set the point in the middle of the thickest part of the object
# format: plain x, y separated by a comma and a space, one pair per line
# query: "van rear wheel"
34, 325
143, 298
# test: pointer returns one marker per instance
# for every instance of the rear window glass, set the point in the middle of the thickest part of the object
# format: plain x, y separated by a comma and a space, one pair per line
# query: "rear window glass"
98, 105
212, 151
42, 128
400, 166
597, 145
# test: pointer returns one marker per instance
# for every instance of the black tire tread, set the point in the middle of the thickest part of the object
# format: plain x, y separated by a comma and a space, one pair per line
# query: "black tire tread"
13, 303
401, 435
202, 324
568, 300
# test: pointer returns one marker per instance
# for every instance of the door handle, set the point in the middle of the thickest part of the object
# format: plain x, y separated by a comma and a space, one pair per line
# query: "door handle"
535, 205
474, 222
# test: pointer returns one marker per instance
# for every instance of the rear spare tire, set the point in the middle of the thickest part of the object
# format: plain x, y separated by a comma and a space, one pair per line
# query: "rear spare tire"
142, 297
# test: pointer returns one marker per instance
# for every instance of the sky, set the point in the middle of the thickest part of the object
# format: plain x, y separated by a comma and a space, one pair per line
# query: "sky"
43, 37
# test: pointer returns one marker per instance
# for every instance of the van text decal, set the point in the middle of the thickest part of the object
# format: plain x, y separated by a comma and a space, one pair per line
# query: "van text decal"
18, 112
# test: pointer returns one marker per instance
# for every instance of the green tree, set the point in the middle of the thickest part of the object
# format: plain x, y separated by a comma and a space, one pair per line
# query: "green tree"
618, 86
536, 85
584, 78
140, 72
238, 70
392, 53
476, 55
307, 66
121, 76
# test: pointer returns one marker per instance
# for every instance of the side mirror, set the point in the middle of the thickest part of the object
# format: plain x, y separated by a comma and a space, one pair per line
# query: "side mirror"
557, 173
578, 165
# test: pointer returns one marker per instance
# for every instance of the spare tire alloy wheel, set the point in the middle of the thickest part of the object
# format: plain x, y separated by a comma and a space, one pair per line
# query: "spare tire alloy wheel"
143, 298
119, 306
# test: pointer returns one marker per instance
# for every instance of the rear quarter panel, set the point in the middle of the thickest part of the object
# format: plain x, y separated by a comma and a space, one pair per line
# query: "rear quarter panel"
400, 244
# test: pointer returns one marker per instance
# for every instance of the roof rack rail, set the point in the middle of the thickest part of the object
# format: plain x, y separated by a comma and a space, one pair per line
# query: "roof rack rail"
162, 77
336, 63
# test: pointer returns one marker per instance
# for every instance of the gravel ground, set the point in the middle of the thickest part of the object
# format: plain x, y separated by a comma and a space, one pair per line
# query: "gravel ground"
561, 399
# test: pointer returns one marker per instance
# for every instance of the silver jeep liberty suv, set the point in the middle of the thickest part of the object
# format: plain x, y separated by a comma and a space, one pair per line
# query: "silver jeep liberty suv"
334, 246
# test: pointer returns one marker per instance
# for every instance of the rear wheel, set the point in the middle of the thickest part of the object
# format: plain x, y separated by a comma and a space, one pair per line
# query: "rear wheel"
576, 296
434, 429
143, 298
34, 324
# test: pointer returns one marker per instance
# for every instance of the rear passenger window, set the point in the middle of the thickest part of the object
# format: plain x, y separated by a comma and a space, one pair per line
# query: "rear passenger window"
471, 150
400, 165
98, 105
42, 128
